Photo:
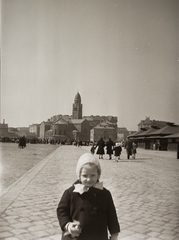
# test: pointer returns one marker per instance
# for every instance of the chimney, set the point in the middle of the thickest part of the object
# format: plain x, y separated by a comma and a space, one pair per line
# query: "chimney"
3, 121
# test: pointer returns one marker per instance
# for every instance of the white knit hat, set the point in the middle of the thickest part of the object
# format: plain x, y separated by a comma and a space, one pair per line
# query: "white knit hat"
118, 144
87, 158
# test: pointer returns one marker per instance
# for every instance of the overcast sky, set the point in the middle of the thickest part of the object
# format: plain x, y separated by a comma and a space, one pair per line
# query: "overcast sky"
121, 55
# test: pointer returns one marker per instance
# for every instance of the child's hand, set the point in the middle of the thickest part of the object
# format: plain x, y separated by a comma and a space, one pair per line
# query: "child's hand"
114, 236
74, 229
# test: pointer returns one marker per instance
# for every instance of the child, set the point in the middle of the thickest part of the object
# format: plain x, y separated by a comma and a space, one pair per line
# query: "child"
134, 151
86, 210
117, 151
93, 149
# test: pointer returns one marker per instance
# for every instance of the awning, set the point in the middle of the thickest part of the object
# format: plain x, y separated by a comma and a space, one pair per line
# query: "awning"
154, 137
176, 135
139, 138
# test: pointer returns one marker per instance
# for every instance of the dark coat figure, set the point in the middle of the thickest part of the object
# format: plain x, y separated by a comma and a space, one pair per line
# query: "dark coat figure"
92, 149
80, 143
117, 151
109, 147
100, 145
94, 210
128, 147
22, 142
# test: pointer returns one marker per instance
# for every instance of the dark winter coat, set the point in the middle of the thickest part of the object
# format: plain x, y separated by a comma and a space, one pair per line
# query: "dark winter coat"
109, 147
100, 145
92, 150
117, 151
128, 146
93, 209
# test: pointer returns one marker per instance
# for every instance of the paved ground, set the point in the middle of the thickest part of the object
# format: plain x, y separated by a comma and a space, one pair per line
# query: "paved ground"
145, 192
15, 161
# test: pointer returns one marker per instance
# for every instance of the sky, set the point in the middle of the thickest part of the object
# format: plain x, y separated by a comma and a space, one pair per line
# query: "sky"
122, 56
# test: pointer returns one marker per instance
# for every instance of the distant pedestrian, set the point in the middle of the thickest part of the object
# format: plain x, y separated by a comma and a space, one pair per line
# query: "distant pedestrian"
157, 145
80, 143
86, 210
117, 151
134, 151
22, 142
128, 147
100, 150
92, 149
109, 147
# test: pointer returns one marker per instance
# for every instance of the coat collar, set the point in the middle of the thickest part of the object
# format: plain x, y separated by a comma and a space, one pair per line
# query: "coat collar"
80, 188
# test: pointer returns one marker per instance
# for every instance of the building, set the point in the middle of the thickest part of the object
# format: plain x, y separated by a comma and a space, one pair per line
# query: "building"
3, 129
35, 128
77, 127
45, 126
103, 130
122, 133
173, 142
157, 137
11, 134
147, 124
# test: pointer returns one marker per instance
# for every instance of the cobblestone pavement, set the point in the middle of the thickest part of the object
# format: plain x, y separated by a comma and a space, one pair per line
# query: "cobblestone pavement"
145, 193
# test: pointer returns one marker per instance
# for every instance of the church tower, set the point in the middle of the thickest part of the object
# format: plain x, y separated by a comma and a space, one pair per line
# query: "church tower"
77, 107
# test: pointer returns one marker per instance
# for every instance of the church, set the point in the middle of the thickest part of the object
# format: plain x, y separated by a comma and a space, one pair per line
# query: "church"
76, 127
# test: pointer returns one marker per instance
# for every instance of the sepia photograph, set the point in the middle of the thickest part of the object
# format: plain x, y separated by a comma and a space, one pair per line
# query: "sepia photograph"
89, 120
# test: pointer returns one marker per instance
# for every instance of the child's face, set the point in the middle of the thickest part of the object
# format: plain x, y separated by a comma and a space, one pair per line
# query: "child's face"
89, 175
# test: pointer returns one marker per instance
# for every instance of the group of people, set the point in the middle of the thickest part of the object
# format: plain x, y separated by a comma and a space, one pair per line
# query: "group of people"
130, 148
114, 148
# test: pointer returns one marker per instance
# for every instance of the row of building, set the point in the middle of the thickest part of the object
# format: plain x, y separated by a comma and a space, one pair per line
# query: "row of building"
151, 134
158, 135
75, 127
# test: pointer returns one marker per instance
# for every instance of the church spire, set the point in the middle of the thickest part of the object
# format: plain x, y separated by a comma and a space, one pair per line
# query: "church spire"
77, 107
77, 98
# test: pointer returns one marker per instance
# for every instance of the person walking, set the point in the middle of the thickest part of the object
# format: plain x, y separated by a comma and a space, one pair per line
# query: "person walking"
86, 210
128, 147
117, 151
22, 142
100, 150
109, 147
134, 151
